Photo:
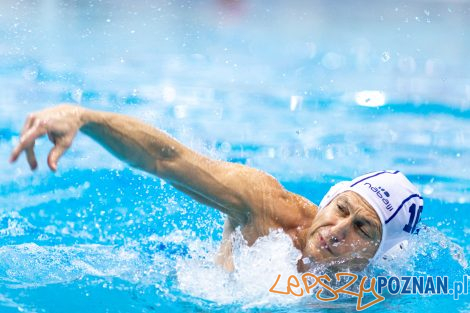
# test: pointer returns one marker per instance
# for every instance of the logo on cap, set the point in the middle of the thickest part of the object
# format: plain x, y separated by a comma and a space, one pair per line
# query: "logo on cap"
378, 192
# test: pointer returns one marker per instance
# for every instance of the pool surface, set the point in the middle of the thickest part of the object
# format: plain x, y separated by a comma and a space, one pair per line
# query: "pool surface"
311, 92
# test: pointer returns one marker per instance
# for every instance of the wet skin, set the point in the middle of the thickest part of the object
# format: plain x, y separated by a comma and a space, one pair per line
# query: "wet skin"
344, 234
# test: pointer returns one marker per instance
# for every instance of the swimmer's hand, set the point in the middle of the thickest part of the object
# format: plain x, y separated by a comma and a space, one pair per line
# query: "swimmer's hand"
60, 123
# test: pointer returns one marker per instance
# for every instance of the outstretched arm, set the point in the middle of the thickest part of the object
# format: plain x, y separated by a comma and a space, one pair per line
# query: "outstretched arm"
232, 188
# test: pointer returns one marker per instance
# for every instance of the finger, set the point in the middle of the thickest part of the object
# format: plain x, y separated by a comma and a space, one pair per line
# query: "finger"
37, 130
16, 152
31, 157
54, 156
27, 124
51, 137
28, 139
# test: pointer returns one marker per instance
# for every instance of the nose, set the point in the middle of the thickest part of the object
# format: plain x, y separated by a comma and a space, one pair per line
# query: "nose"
340, 230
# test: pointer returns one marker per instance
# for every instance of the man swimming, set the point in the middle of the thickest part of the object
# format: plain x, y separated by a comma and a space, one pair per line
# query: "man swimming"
356, 222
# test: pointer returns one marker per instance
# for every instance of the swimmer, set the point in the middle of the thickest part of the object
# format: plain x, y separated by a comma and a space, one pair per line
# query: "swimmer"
356, 223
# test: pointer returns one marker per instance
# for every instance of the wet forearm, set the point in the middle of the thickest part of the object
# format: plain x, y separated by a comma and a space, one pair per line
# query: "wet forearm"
139, 144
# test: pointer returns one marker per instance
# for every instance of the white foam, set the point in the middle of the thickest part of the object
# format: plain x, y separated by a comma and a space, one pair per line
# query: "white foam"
256, 270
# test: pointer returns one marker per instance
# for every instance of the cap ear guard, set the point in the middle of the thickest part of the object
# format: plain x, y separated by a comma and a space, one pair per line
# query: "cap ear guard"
394, 198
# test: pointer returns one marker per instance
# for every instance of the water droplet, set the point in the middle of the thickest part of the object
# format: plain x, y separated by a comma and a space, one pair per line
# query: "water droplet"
385, 56
329, 155
271, 153
77, 95
370, 98
428, 189
295, 102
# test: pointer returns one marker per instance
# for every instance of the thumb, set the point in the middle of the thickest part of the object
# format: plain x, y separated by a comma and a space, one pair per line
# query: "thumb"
54, 156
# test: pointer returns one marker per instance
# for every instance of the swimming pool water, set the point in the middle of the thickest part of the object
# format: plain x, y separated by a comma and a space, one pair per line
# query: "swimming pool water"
268, 85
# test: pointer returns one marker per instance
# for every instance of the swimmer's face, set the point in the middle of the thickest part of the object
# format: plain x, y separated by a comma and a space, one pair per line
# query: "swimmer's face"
344, 234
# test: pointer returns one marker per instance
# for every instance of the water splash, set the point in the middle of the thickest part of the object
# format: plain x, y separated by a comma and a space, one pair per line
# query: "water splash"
424, 255
33, 265
256, 269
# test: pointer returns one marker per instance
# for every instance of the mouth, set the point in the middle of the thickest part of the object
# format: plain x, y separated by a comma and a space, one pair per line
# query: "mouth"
324, 245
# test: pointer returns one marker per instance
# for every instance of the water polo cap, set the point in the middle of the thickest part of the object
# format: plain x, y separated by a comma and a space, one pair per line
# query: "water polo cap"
395, 199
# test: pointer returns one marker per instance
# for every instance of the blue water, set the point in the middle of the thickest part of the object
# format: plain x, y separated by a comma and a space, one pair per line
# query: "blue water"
273, 85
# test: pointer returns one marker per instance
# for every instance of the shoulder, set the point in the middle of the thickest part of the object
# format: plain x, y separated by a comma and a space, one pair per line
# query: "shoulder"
271, 200
303, 211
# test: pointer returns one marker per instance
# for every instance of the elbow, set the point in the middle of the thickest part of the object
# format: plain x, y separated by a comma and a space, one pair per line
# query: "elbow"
162, 168
166, 164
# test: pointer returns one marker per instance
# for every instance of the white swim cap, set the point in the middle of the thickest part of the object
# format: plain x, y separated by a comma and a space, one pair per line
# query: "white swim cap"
395, 199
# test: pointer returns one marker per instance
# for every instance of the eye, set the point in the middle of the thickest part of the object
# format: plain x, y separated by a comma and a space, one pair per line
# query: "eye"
344, 210
363, 229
